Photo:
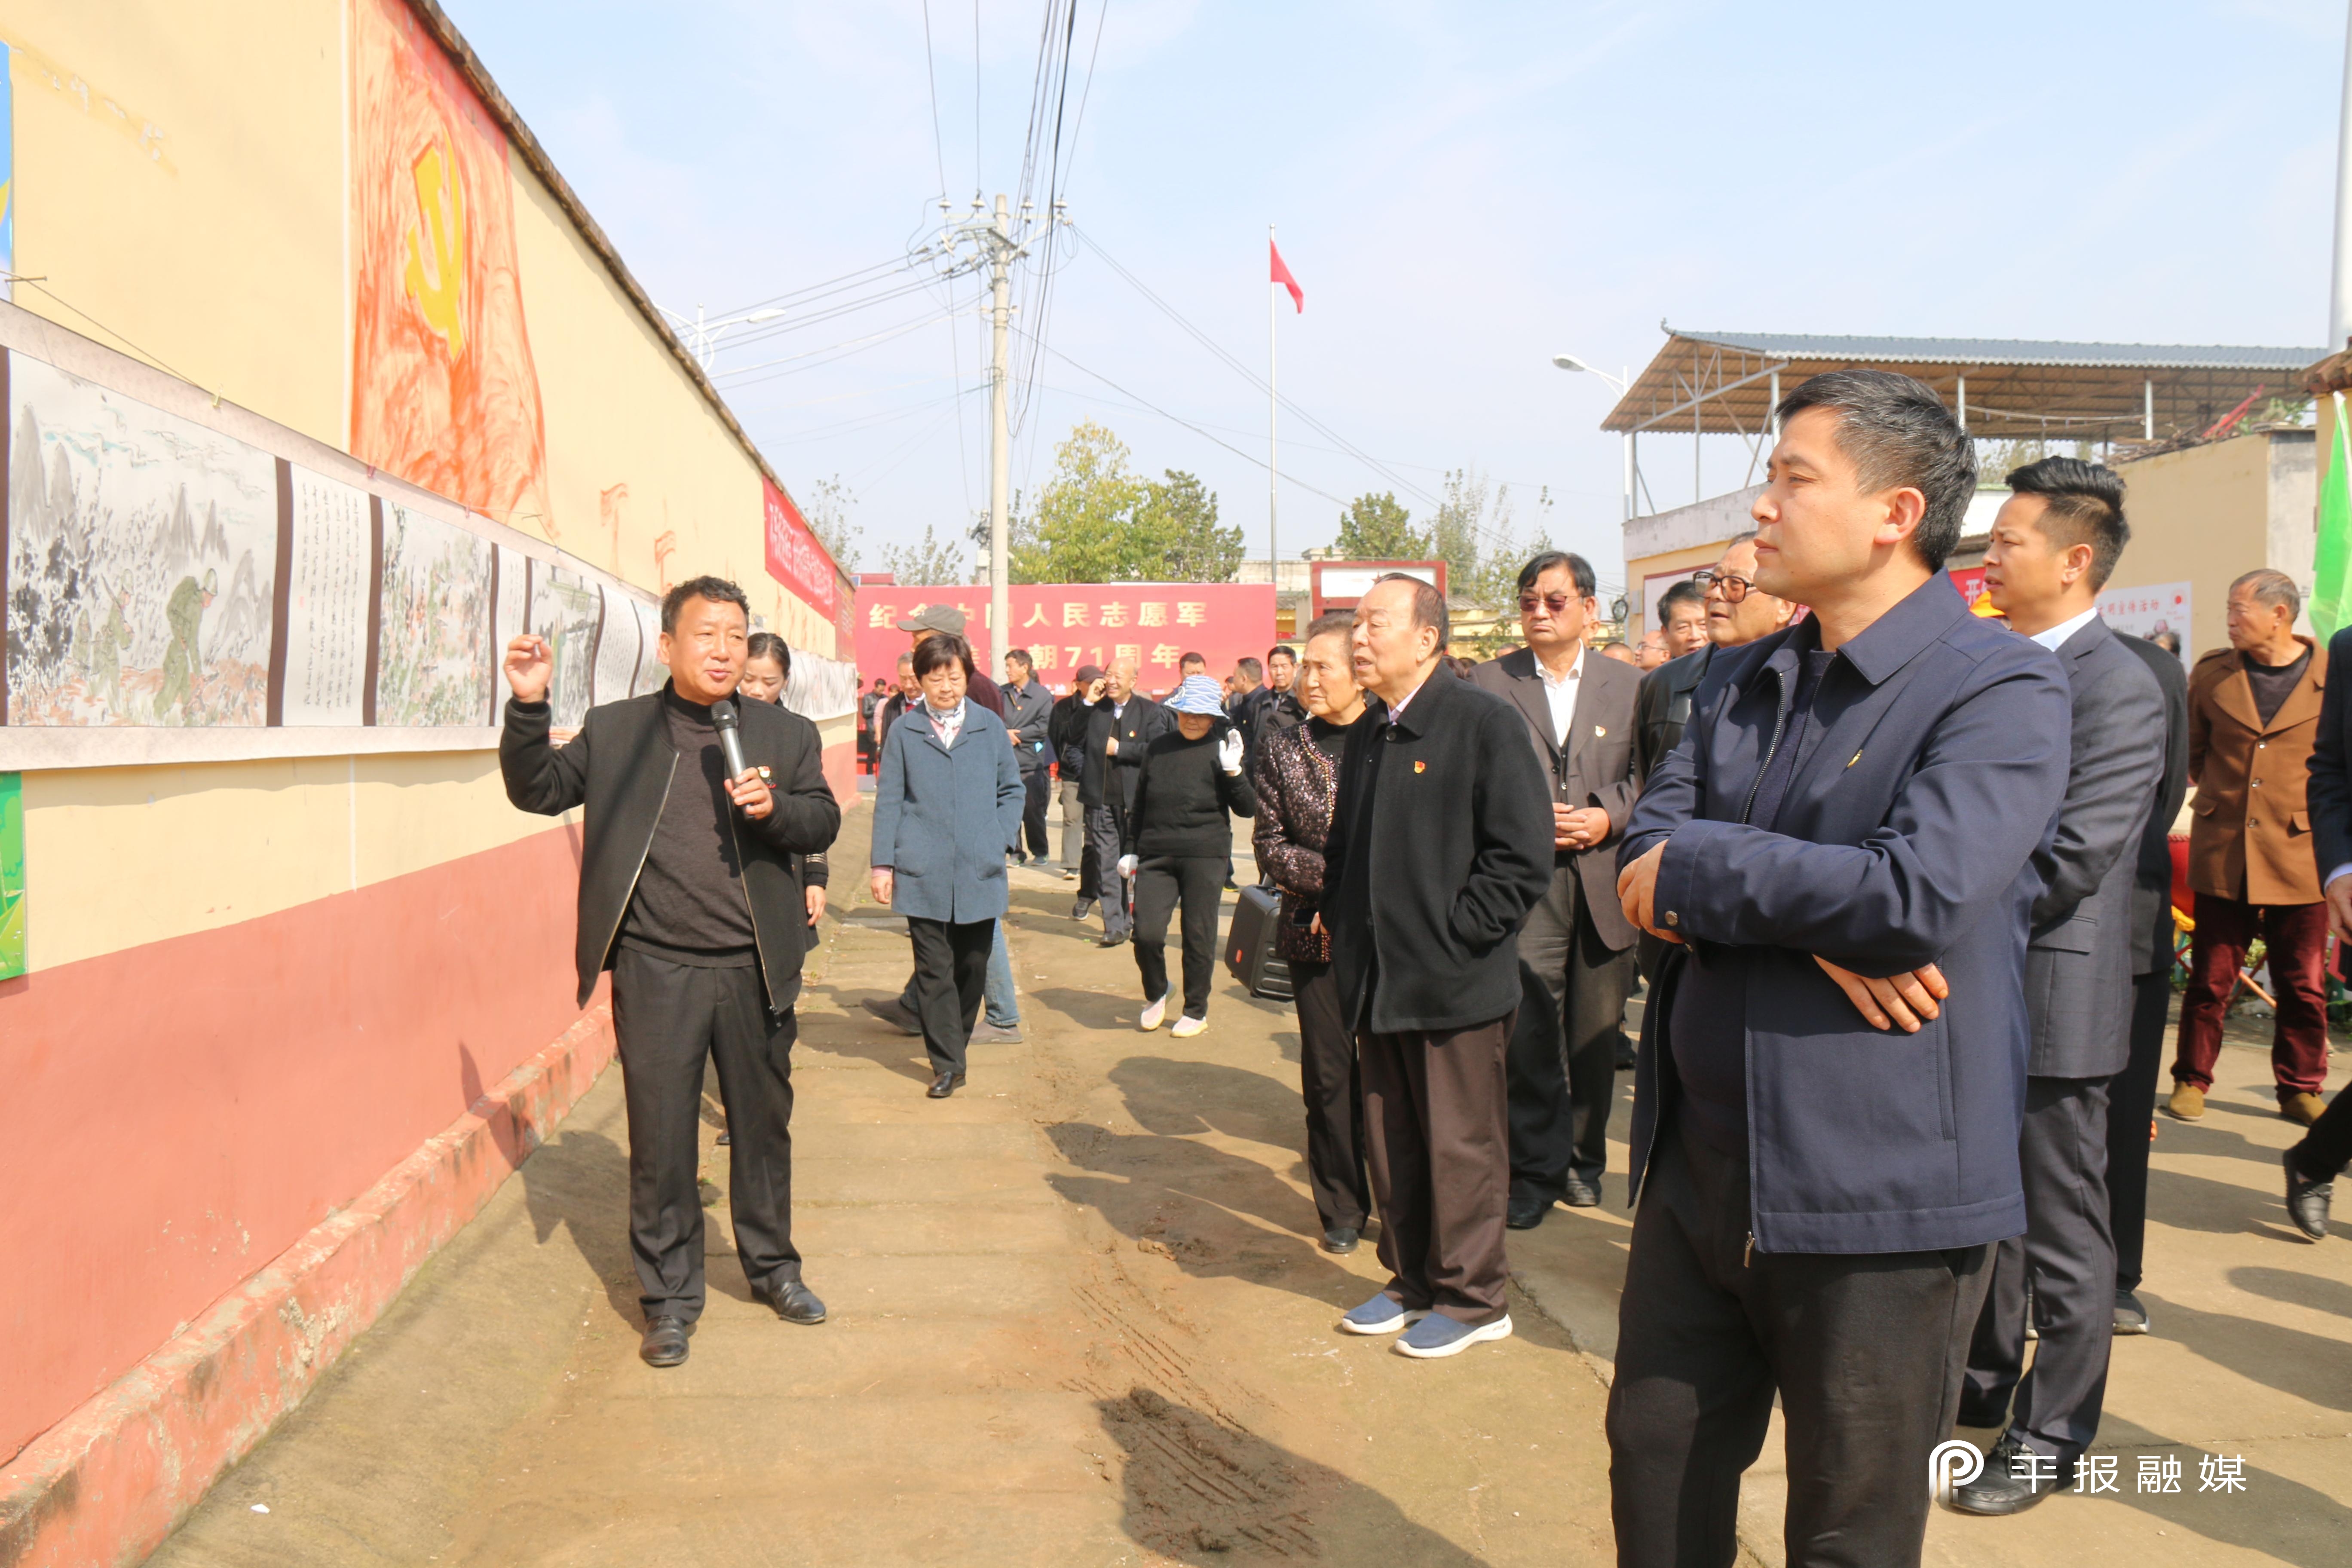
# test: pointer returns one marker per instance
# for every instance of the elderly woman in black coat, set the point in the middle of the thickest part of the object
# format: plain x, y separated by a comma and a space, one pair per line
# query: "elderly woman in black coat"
1298, 781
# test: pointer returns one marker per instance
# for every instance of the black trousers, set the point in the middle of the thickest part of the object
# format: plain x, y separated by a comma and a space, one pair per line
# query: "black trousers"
2131, 1106
2066, 1258
2327, 1148
1162, 884
668, 1018
1563, 1058
1865, 1350
1039, 786
1115, 891
1331, 1083
1437, 1142
950, 980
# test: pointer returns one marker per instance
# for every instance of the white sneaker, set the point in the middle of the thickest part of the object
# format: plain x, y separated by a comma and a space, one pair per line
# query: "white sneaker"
1187, 1026
1155, 1012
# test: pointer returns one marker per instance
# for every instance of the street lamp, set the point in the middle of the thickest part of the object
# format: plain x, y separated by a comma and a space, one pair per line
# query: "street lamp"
703, 335
1622, 384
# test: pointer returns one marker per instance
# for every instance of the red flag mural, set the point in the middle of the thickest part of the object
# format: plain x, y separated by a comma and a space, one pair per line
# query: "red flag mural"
1282, 276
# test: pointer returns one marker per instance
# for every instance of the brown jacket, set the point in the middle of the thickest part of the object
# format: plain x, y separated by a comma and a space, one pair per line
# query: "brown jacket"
2251, 840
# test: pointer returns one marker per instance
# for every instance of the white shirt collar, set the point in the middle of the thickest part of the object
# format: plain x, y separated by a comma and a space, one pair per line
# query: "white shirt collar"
1575, 669
2055, 637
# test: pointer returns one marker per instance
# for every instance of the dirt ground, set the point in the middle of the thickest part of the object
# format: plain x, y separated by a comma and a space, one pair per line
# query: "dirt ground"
1078, 1316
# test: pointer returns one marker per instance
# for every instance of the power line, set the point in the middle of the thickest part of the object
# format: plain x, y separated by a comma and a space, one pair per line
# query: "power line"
932, 79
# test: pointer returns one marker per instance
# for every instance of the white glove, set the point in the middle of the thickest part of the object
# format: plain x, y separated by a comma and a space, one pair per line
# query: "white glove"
1127, 864
1229, 754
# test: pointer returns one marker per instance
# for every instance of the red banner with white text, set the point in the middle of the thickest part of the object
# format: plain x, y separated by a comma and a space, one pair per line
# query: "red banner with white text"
1065, 625
795, 557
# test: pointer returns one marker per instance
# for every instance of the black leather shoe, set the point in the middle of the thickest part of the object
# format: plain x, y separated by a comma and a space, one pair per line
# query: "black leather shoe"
1340, 1238
2013, 1481
1526, 1213
665, 1342
1581, 1194
1107, 939
946, 1084
2307, 1200
794, 1303
2131, 1316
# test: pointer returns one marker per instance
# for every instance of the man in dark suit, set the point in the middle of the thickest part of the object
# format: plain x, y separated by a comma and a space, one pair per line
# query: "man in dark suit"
2313, 1164
1573, 969
2131, 1097
1118, 733
2054, 542
1737, 612
1848, 824
1439, 846
1028, 711
689, 895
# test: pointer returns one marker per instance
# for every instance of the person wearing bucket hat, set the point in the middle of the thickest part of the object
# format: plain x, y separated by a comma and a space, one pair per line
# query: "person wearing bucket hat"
1175, 843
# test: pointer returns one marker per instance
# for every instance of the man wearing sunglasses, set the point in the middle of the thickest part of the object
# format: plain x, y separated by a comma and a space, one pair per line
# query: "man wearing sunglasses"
1736, 613
1575, 947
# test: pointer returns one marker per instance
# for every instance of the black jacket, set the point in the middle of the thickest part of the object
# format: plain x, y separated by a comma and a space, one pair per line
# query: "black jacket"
1441, 842
2152, 886
2328, 794
1662, 706
620, 768
1182, 798
1138, 722
1065, 735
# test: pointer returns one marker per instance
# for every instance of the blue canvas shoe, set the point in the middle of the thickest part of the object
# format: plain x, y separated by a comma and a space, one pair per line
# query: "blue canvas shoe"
1381, 1315
1439, 1335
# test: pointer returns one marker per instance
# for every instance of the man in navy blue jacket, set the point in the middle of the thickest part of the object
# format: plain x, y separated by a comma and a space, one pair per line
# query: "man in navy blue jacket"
1844, 839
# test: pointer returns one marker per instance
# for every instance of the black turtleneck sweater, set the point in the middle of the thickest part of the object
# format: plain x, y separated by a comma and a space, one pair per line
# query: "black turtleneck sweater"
688, 905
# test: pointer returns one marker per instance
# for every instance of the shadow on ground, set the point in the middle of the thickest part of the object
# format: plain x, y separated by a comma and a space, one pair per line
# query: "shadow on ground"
2281, 1519
1201, 1492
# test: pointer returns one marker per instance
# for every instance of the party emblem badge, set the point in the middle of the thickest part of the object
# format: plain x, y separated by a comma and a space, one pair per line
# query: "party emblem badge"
1421, 767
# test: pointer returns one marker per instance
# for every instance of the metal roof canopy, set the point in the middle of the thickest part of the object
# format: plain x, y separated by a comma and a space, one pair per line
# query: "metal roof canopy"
1725, 382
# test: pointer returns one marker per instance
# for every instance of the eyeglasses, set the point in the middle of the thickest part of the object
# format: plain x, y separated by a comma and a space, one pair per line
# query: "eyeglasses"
1555, 603
1732, 587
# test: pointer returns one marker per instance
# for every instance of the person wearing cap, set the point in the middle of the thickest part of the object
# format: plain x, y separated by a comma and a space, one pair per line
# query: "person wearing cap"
1175, 842
928, 621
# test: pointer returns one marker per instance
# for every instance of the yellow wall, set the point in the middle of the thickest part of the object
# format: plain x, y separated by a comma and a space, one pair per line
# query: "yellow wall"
2200, 516
182, 176
1637, 621
180, 849
179, 176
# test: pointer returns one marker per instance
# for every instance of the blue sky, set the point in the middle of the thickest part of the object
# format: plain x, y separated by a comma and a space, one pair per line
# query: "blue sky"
1463, 190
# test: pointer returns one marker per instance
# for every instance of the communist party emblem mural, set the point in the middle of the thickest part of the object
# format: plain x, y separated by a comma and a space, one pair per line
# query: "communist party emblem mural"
444, 393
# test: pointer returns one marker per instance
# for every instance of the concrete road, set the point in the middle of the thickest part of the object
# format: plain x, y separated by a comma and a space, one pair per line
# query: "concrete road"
1079, 1317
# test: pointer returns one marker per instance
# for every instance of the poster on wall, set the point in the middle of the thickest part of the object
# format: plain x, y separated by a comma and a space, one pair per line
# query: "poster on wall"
795, 559
2146, 611
142, 553
617, 648
565, 608
12, 876
433, 656
652, 674
444, 390
330, 557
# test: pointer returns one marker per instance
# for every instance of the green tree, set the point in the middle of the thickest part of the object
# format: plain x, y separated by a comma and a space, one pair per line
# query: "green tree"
827, 509
1078, 530
1375, 528
1175, 537
933, 561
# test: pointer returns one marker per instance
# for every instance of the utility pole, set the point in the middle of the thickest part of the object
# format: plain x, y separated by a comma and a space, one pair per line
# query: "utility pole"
1272, 458
1001, 252
996, 240
2340, 293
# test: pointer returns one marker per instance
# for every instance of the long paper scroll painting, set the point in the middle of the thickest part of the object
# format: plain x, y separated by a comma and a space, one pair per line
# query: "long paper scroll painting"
141, 550
616, 649
331, 567
434, 652
565, 608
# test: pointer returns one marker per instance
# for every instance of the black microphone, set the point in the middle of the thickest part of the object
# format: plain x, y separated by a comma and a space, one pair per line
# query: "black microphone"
731, 741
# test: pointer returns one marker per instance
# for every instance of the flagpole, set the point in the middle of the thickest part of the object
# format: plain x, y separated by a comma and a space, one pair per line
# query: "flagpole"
1273, 460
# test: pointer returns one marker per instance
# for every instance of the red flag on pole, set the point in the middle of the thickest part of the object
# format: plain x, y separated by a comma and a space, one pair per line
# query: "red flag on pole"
1282, 276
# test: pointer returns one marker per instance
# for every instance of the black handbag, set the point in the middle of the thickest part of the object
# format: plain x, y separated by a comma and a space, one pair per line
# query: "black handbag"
1249, 945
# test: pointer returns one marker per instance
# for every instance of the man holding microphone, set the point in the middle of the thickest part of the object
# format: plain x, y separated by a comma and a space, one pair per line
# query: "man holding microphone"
689, 895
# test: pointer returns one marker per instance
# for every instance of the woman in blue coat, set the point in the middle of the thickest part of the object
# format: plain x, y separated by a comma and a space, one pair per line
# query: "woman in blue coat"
947, 810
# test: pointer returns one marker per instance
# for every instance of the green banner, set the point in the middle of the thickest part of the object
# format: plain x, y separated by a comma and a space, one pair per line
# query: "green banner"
12, 875
2331, 587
